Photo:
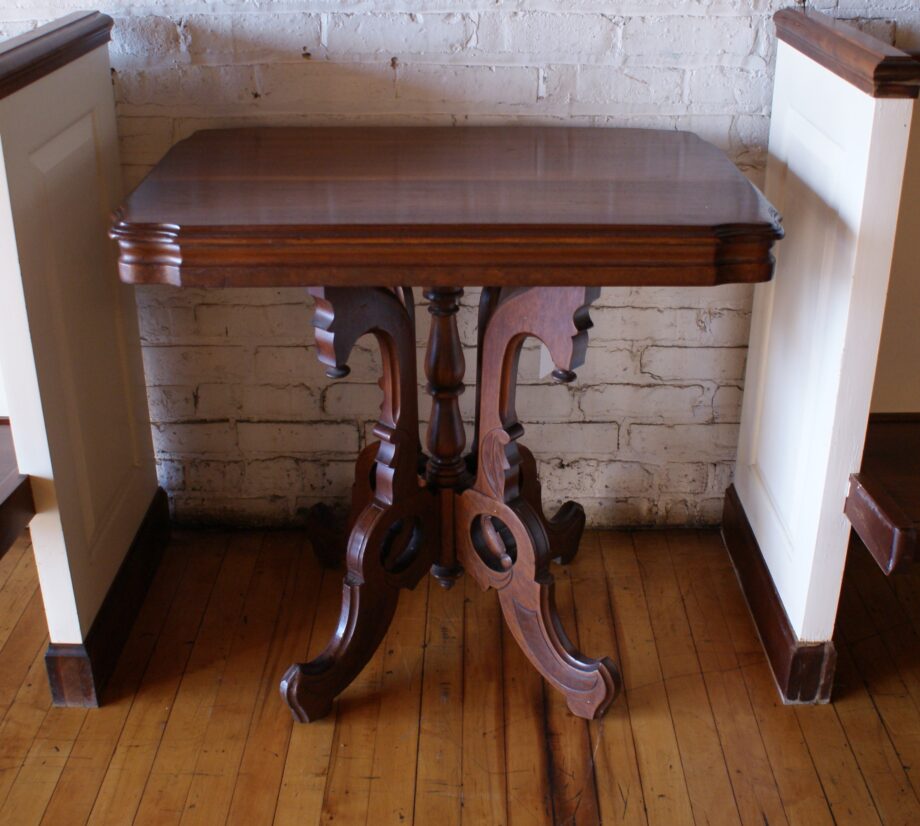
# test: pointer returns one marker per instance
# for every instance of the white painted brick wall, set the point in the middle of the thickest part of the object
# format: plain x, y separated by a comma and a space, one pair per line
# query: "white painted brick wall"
246, 426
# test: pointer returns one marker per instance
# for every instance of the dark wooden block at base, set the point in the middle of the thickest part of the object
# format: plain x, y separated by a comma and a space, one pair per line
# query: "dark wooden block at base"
804, 671
77, 674
883, 504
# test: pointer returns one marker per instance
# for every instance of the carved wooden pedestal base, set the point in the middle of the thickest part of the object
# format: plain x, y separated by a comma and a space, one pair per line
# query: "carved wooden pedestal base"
411, 513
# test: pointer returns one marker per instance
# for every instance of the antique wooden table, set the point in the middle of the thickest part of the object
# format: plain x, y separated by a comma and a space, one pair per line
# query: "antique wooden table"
541, 218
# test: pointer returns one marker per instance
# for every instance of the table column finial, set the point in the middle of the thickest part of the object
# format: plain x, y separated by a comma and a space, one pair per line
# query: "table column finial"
446, 471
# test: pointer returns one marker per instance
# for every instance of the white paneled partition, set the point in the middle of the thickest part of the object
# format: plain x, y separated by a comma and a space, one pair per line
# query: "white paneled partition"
69, 342
897, 377
837, 158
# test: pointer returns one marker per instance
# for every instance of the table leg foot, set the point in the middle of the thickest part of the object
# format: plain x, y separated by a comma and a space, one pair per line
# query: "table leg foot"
327, 531
589, 685
393, 538
503, 538
305, 708
390, 548
327, 534
309, 688
566, 526
506, 548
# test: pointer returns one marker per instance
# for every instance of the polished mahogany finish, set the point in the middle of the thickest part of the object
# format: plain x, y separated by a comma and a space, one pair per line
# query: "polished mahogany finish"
500, 533
883, 504
565, 528
446, 468
870, 64
541, 217
445, 207
444, 368
392, 543
30, 56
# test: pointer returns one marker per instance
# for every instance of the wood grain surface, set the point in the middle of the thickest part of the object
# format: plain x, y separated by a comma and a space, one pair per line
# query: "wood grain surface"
884, 499
444, 207
31, 56
463, 730
872, 65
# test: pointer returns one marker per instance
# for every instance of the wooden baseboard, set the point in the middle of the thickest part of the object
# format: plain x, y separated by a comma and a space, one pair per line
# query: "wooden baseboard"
804, 671
78, 674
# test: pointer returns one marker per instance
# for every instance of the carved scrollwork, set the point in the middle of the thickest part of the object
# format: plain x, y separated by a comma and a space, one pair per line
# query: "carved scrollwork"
402, 523
392, 515
502, 510
401, 545
493, 462
493, 542
566, 526
526, 593
342, 316
559, 317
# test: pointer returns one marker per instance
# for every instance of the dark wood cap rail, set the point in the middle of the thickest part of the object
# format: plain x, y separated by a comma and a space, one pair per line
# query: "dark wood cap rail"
28, 57
883, 504
870, 64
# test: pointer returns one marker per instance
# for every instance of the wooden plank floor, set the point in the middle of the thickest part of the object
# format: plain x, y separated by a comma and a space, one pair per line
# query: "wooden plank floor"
448, 724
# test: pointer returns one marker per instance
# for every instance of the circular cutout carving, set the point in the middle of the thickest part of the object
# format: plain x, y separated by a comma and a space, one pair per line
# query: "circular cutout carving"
494, 543
401, 545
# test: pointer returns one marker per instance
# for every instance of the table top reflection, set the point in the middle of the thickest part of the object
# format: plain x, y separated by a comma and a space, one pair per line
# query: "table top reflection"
503, 205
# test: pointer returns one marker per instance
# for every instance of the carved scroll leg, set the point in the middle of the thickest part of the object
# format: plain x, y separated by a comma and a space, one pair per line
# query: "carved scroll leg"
368, 607
327, 532
589, 686
390, 544
387, 552
506, 548
502, 537
565, 528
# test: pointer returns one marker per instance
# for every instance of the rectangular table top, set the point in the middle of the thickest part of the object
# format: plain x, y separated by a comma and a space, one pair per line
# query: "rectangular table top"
439, 206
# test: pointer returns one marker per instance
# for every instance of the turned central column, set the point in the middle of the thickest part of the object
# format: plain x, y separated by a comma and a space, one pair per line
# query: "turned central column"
444, 368
446, 470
